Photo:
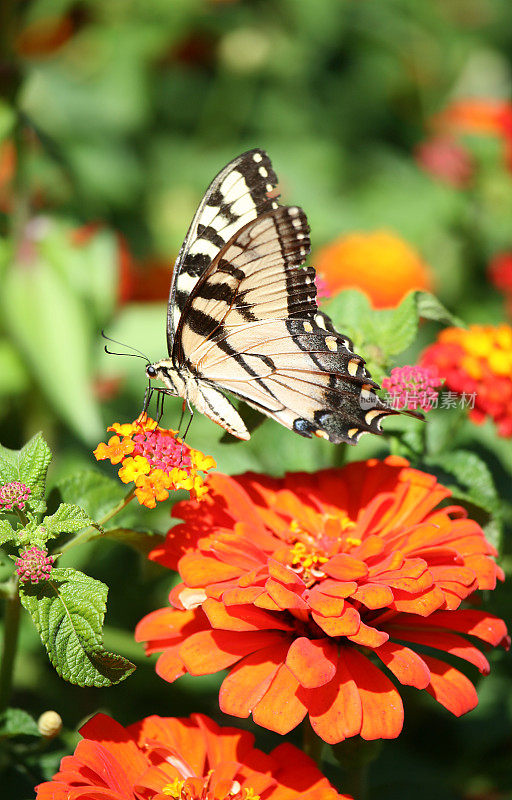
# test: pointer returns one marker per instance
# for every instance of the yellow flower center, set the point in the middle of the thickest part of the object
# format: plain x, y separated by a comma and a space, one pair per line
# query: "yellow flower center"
189, 790
309, 551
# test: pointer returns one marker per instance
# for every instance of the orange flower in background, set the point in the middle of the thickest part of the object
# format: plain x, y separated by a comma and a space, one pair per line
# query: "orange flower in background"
304, 587
477, 364
480, 116
155, 460
166, 757
380, 264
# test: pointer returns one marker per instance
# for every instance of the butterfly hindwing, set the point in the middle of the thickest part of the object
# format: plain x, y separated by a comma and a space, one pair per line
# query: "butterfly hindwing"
237, 195
252, 326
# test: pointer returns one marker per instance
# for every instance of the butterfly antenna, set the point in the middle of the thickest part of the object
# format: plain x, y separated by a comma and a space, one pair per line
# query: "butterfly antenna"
112, 353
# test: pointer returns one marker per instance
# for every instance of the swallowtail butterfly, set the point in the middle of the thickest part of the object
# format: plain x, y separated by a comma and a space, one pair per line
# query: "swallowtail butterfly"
243, 318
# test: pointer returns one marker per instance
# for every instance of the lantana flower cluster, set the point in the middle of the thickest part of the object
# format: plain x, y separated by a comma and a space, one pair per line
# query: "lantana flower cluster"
312, 588
183, 759
155, 460
13, 495
34, 565
477, 362
412, 387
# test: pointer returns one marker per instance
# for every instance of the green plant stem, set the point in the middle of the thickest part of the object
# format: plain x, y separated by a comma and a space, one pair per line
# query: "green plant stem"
358, 781
10, 644
312, 744
86, 534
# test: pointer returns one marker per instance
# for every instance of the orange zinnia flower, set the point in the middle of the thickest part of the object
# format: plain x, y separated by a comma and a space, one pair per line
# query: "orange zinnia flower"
305, 586
165, 757
155, 460
477, 365
381, 264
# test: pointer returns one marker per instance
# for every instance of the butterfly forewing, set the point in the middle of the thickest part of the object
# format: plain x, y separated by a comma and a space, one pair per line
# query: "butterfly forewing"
252, 326
239, 194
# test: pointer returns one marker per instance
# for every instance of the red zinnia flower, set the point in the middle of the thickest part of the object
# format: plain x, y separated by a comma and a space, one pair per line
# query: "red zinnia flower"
477, 365
305, 586
165, 757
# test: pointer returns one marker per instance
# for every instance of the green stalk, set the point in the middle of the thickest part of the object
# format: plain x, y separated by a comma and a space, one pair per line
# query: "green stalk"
312, 744
87, 533
10, 644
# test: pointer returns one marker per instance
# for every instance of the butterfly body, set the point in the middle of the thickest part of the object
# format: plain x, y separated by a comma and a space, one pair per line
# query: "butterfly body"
243, 318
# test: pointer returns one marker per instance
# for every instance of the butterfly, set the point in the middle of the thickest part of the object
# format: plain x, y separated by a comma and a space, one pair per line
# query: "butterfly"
242, 318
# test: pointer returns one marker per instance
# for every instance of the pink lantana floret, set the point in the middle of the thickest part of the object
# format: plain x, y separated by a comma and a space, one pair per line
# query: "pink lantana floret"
34, 565
13, 495
322, 290
161, 450
412, 388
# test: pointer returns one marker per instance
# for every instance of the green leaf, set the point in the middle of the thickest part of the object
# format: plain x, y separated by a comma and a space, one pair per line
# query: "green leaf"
394, 329
67, 519
98, 494
68, 612
6, 531
16, 722
28, 465
429, 307
142, 541
52, 327
472, 482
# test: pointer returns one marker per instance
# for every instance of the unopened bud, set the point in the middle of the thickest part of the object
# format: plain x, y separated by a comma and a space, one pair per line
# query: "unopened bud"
49, 724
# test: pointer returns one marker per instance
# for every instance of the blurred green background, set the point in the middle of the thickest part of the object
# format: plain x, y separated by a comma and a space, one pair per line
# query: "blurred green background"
114, 116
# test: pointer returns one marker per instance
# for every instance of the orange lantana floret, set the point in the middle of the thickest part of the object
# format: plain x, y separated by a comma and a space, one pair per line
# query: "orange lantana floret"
155, 460
305, 586
116, 450
167, 757
477, 364
380, 264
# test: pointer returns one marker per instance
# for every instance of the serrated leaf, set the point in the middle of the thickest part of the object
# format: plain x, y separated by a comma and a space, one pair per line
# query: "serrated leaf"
97, 494
67, 519
348, 310
16, 722
6, 531
472, 483
28, 465
394, 329
68, 612
142, 541
429, 307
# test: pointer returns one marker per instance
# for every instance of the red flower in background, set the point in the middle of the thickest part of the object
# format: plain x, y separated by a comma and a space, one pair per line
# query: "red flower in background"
165, 757
500, 274
445, 158
477, 364
304, 587
361, 260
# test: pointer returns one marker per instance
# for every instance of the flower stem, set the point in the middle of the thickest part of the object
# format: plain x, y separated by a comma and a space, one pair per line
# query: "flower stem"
10, 644
312, 744
85, 535
355, 757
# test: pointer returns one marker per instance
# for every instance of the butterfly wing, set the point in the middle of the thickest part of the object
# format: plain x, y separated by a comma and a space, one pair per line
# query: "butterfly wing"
236, 196
252, 326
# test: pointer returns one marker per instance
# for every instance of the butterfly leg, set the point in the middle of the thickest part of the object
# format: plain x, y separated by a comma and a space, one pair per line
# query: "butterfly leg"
148, 394
184, 405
